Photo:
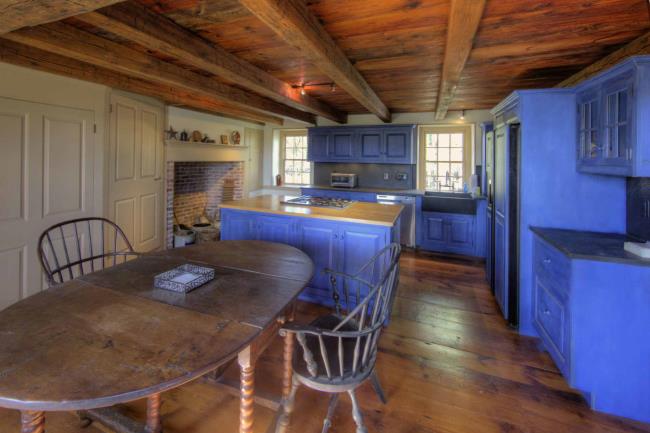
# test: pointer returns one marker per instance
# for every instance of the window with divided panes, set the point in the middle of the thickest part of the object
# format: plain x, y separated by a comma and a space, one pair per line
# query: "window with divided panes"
296, 170
445, 157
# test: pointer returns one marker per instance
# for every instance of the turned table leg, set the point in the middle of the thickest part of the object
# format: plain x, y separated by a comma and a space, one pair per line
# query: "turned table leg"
154, 425
288, 385
288, 368
32, 422
247, 390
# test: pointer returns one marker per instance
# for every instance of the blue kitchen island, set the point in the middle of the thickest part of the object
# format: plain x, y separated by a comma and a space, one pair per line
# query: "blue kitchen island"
338, 239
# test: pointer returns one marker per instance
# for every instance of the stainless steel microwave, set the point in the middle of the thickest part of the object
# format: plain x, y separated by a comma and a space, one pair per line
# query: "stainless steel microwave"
343, 180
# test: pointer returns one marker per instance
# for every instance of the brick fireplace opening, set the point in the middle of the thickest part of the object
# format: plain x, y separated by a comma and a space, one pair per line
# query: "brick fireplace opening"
196, 189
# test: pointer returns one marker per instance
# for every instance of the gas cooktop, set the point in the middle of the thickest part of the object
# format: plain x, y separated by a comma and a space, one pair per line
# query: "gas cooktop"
308, 200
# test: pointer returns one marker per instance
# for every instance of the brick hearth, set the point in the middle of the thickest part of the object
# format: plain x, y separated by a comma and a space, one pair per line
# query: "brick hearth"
193, 187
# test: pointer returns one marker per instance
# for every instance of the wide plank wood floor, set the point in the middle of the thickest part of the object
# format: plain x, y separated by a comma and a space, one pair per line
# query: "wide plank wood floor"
448, 364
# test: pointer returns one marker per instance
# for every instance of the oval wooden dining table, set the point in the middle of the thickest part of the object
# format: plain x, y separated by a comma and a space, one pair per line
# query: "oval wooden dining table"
110, 337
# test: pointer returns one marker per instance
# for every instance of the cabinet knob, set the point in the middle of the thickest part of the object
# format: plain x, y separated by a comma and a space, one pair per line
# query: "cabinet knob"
547, 312
546, 261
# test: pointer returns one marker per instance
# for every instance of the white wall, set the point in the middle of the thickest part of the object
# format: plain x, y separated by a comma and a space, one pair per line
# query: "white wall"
34, 86
475, 117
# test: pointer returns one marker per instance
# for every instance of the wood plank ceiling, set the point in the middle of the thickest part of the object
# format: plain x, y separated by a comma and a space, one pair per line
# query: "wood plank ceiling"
383, 55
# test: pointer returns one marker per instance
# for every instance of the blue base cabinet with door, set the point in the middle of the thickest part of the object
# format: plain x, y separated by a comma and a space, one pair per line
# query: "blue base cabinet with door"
593, 317
448, 233
336, 245
454, 233
381, 144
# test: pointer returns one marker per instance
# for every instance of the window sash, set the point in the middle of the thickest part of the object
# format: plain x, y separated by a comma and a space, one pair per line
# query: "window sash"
445, 149
294, 166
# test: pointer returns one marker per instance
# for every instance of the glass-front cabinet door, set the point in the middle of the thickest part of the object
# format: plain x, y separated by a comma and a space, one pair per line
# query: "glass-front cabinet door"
590, 145
613, 131
617, 101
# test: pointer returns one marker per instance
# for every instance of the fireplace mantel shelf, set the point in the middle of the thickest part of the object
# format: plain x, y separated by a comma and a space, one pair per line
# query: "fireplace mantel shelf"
186, 151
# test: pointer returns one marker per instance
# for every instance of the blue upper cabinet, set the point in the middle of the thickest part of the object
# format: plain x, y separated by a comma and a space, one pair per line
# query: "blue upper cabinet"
318, 148
612, 137
371, 143
398, 145
387, 144
342, 145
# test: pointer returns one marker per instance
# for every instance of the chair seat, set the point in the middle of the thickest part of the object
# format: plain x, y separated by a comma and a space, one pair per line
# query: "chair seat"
340, 382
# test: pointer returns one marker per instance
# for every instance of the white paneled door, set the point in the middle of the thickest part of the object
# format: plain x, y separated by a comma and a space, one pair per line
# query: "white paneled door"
135, 187
46, 176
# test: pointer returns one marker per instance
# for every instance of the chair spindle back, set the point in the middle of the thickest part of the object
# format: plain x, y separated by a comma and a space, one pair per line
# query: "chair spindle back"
73, 248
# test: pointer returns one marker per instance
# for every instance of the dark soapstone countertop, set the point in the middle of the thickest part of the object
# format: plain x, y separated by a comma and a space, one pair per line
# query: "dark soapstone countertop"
606, 247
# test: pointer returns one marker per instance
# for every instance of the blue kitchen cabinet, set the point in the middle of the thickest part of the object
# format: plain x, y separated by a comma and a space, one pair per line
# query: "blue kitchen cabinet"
342, 143
487, 186
540, 163
336, 245
237, 226
275, 229
318, 145
593, 318
382, 144
398, 145
489, 253
589, 139
371, 145
461, 234
500, 264
618, 102
434, 230
448, 233
613, 136
358, 245
319, 240
502, 204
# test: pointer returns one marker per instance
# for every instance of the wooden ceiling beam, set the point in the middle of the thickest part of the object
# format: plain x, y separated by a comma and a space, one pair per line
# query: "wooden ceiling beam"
464, 19
60, 38
640, 45
136, 23
15, 14
33, 58
294, 22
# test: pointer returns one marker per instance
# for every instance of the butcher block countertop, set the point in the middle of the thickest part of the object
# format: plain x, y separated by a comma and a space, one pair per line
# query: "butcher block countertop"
357, 212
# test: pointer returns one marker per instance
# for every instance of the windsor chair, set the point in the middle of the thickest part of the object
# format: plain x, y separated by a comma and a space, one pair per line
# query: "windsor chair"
73, 248
337, 353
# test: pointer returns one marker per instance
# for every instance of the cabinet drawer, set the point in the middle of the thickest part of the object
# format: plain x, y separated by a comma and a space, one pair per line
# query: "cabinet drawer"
552, 267
551, 321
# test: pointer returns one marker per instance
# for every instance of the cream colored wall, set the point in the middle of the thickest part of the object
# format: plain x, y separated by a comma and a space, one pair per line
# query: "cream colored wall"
35, 86
475, 117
